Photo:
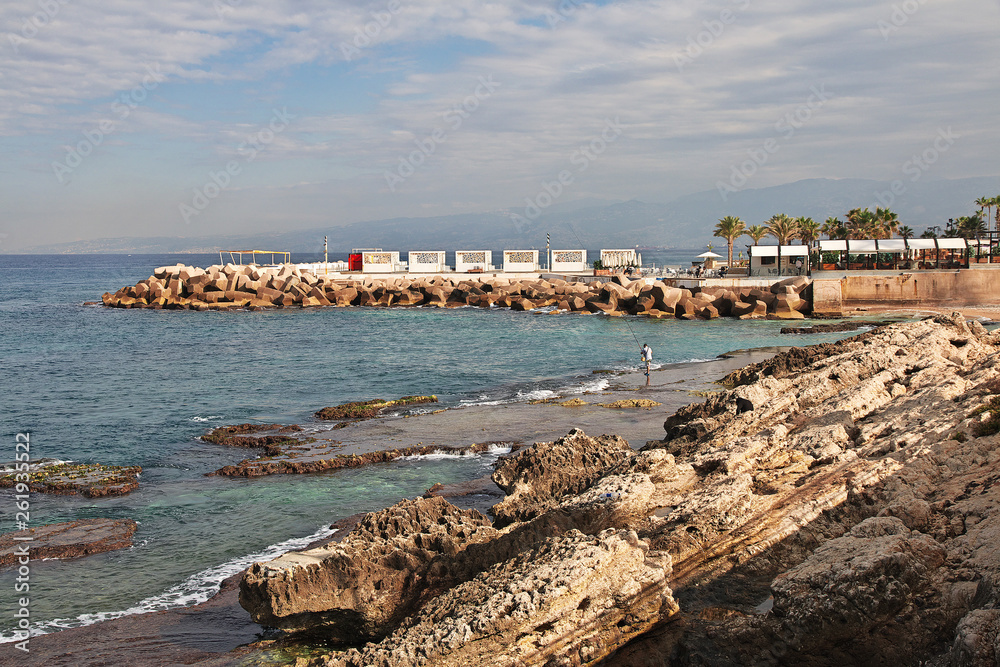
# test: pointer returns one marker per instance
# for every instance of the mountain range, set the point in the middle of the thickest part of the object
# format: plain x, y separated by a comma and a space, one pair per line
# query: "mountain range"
685, 222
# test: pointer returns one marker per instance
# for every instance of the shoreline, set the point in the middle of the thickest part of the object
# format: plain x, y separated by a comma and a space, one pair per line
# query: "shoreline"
219, 625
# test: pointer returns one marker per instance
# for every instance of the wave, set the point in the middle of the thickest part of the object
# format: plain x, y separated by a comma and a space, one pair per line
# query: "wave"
196, 589
443, 454
206, 419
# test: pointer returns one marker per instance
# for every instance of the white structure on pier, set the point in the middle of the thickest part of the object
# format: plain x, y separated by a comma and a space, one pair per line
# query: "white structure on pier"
426, 261
473, 260
520, 260
569, 260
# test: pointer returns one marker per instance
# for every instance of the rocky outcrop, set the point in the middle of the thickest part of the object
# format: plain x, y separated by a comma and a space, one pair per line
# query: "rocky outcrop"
282, 457
536, 479
358, 410
91, 480
71, 539
570, 600
362, 587
232, 286
852, 517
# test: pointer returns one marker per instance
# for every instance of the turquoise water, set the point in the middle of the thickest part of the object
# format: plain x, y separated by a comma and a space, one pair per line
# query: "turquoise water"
137, 387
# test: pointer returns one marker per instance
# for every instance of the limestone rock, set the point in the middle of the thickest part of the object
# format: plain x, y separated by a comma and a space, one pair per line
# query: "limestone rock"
71, 539
537, 478
362, 587
573, 599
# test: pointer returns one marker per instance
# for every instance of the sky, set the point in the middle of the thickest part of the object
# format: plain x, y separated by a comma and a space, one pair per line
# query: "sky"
193, 118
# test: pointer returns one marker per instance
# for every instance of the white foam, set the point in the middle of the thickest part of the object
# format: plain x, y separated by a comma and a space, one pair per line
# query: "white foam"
443, 454
197, 588
205, 419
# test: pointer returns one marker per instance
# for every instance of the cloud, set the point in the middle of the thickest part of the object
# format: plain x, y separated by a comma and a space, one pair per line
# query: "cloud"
696, 86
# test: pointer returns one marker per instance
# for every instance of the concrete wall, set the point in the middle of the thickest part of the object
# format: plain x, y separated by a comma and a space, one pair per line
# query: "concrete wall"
467, 260
426, 261
520, 260
967, 287
569, 260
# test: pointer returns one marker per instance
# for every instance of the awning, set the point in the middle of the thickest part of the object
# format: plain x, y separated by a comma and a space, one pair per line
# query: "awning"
951, 244
892, 245
921, 244
794, 250
861, 247
978, 242
763, 250
833, 245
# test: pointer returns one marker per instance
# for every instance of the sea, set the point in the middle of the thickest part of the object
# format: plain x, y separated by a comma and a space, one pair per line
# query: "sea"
138, 387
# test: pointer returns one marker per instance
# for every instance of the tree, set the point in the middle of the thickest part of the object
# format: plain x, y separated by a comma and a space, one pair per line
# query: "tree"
906, 232
809, 230
756, 233
783, 228
887, 221
987, 203
970, 226
834, 228
730, 228
862, 223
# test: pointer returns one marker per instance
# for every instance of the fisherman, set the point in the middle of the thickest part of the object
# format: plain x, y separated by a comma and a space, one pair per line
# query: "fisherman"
647, 356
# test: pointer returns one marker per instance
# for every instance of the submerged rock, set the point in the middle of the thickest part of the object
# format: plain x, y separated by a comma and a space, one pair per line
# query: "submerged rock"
71, 539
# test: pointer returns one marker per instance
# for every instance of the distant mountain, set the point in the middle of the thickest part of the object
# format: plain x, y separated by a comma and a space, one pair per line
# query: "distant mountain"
683, 223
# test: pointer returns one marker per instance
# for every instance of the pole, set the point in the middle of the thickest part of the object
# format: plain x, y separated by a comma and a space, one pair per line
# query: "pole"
326, 261
548, 253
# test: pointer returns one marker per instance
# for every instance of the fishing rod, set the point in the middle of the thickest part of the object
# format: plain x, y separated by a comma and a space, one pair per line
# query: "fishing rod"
632, 332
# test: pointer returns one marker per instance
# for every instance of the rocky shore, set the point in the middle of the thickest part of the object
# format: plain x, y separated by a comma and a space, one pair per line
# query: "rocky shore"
91, 480
71, 539
236, 287
849, 517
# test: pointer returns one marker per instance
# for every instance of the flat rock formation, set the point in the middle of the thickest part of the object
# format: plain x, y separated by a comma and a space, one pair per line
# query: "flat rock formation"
91, 480
71, 539
358, 410
236, 286
292, 456
851, 517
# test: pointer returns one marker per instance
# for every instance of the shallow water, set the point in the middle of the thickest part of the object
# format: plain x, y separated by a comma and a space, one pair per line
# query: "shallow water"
137, 387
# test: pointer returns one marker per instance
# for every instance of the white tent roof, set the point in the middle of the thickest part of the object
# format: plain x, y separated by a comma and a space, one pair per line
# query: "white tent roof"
708, 254
832, 245
892, 245
763, 250
951, 244
861, 246
921, 244
794, 250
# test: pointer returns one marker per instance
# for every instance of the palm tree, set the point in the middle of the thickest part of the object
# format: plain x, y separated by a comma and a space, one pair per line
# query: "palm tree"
756, 233
809, 230
987, 203
783, 228
834, 228
887, 220
862, 223
996, 202
906, 232
730, 228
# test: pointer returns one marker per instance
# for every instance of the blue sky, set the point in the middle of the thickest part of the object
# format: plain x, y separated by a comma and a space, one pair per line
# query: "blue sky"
188, 118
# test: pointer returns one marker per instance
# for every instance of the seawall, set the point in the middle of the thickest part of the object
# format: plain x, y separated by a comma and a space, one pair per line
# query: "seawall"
836, 293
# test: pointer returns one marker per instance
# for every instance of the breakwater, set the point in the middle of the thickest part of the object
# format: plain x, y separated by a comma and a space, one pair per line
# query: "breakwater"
238, 286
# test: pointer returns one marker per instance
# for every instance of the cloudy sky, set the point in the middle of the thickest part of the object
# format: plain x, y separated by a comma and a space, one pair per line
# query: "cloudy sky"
195, 117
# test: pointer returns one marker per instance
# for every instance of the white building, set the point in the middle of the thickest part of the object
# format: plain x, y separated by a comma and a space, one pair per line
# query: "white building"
569, 260
473, 260
520, 260
426, 261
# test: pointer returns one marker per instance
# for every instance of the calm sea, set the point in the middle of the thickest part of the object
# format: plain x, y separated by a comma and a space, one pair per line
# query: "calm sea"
137, 387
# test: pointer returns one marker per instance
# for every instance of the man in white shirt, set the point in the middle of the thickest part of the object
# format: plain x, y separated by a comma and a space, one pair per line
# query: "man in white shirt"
647, 356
